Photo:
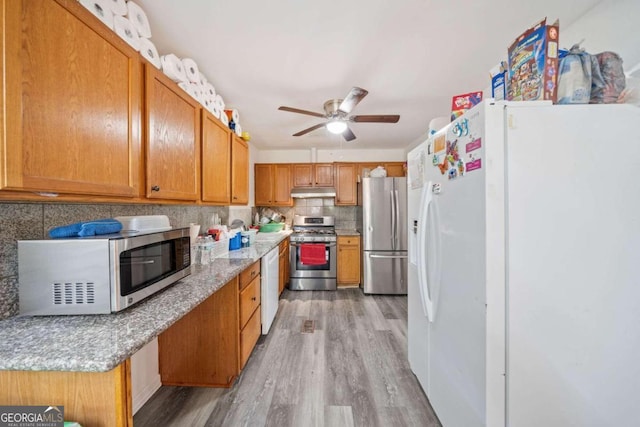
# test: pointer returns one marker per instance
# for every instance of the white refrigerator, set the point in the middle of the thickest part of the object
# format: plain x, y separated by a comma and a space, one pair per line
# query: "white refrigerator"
523, 278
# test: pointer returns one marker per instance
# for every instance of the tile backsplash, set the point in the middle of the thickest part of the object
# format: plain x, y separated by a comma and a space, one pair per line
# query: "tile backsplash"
25, 221
346, 217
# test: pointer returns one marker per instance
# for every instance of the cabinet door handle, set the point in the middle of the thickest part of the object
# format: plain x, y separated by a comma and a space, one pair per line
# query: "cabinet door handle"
155, 188
253, 299
235, 197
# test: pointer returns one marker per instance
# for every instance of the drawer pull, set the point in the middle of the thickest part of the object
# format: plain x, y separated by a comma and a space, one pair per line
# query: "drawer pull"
253, 298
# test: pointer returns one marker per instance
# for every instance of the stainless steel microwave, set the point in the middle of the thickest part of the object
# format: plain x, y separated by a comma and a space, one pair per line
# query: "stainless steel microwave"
99, 274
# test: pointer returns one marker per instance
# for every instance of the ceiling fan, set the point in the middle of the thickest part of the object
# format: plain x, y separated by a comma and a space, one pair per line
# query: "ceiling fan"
337, 115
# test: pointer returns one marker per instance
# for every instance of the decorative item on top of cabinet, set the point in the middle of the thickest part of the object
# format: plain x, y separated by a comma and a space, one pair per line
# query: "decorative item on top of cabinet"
348, 263
273, 184
239, 171
393, 168
346, 185
65, 130
216, 160
173, 139
202, 348
313, 175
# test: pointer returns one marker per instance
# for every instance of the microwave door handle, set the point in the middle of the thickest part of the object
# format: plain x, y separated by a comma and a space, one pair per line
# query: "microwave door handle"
149, 261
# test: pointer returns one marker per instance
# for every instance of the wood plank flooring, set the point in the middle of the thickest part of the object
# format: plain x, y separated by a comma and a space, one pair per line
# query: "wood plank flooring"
352, 370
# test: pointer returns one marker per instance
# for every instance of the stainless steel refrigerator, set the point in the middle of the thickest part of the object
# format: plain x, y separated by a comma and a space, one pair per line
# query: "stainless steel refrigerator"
384, 235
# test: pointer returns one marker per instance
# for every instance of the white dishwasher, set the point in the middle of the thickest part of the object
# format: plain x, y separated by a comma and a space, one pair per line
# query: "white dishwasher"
269, 288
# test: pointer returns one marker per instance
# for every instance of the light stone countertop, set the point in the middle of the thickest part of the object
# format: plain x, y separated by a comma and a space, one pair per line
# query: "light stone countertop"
346, 232
98, 343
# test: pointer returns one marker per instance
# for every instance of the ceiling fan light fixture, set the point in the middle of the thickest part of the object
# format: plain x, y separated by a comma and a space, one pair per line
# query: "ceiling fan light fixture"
336, 126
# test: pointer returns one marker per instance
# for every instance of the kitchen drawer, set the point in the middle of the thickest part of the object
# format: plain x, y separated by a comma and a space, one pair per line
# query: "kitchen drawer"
249, 274
249, 336
348, 240
249, 300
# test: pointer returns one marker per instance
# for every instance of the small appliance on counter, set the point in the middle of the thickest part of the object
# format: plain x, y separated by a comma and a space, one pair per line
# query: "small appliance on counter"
99, 274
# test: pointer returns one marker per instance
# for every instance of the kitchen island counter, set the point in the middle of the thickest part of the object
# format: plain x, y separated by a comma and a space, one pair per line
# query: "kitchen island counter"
99, 343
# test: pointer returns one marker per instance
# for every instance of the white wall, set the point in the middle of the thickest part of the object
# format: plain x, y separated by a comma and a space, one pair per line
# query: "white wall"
304, 156
610, 26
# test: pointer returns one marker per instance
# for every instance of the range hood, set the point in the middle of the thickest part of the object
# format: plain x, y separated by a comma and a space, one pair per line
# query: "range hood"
313, 192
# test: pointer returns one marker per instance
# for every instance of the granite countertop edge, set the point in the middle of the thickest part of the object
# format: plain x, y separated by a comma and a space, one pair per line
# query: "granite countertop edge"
99, 343
346, 232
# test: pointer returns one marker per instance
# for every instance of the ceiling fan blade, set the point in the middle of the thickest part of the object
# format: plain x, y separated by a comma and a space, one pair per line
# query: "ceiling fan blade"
311, 129
299, 111
354, 96
348, 135
376, 119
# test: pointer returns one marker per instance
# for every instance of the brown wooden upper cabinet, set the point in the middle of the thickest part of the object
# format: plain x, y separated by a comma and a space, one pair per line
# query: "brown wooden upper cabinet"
216, 160
393, 168
239, 171
273, 184
72, 93
346, 185
313, 175
172, 121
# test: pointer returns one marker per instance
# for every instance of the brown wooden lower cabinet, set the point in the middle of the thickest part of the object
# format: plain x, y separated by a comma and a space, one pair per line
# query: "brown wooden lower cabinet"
348, 262
249, 336
210, 345
248, 324
201, 349
101, 399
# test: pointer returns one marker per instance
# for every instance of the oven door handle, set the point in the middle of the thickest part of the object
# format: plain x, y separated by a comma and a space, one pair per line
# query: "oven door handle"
333, 245
387, 256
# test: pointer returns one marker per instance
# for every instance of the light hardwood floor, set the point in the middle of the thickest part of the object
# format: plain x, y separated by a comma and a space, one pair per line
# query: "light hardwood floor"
351, 371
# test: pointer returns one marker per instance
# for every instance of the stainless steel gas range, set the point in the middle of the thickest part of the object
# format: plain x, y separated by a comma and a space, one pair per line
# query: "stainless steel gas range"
313, 254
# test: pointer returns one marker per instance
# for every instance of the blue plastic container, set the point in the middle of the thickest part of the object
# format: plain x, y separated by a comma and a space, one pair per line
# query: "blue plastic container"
234, 242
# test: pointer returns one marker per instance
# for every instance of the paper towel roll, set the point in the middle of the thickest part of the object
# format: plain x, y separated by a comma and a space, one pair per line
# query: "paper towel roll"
149, 52
124, 28
220, 103
101, 9
238, 129
190, 89
172, 68
139, 19
203, 80
191, 68
194, 229
197, 89
214, 110
118, 7
210, 91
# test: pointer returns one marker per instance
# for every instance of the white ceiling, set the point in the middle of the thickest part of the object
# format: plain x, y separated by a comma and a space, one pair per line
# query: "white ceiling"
411, 55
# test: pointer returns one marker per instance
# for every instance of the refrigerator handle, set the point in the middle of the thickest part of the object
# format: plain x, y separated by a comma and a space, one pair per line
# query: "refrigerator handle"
396, 243
388, 256
426, 198
393, 221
